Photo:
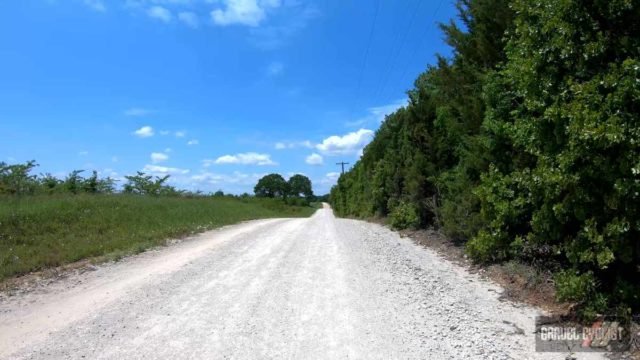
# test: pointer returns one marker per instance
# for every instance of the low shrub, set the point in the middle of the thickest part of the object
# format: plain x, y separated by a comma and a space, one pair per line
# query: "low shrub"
404, 216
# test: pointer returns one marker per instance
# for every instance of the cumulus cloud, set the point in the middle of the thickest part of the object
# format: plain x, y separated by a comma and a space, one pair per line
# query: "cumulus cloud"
330, 178
314, 159
157, 157
234, 178
143, 132
250, 158
349, 144
193, 142
181, 134
160, 13
282, 145
163, 170
243, 12
188, 18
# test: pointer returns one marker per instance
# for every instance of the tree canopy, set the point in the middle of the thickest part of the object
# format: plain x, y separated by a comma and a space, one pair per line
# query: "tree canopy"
524, 144
271, 186
300, 185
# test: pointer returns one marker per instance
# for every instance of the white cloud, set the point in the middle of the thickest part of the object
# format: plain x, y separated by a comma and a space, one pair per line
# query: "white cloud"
143, 132
235, 178
163, 170
83, 153
330, 178
376, 114
243, 12
165, 132
114, 159
96, 5
250, 158
281, 145
275, 68
324, 184
193, 142
181, 134
380, 112
168, 150
188, 18
314, 159
137, 112
351, 143
160, 13
157, 157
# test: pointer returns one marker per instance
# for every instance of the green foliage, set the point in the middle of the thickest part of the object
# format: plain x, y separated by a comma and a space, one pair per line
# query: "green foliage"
297, 201
271, 186
16, 179
574, 286
404, 216
567, 108
142, 184
525, 144
300, 185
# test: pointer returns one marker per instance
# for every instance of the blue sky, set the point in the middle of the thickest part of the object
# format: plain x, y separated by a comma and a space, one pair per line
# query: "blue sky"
215, 93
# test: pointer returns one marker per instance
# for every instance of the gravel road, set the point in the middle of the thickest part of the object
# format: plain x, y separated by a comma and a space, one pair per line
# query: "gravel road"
282, 288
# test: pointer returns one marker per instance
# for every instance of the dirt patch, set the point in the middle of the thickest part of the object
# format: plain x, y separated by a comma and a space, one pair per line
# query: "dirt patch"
39, 279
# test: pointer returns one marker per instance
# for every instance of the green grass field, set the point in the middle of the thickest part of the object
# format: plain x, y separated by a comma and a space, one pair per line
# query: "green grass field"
37, 232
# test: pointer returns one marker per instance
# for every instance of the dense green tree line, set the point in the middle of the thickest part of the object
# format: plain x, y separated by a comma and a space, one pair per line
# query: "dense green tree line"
19, 180
525, 144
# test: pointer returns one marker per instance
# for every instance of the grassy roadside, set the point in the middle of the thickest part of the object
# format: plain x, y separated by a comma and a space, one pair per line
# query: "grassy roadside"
37, 232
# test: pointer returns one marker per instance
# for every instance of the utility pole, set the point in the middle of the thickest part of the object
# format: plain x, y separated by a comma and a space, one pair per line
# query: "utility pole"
342, 164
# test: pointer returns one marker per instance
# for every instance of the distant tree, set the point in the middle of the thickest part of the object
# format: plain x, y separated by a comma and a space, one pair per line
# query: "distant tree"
148, 185
73, 182
271, 186
218, 193
300, 185
91, 184
15, 179
49, 183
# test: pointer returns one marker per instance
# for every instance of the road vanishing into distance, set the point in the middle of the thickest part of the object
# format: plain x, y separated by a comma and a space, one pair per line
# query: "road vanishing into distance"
315, 288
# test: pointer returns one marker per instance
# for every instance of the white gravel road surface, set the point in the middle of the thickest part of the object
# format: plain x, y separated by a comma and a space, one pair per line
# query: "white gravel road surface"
316, 288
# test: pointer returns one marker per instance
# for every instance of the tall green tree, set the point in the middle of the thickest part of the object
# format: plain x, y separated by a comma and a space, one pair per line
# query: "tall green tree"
524, 141
271, 186
300, 185
565, 131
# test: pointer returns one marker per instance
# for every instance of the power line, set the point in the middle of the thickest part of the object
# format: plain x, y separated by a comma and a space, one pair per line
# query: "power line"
424, 35
396, 38
396, 54
366, 55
